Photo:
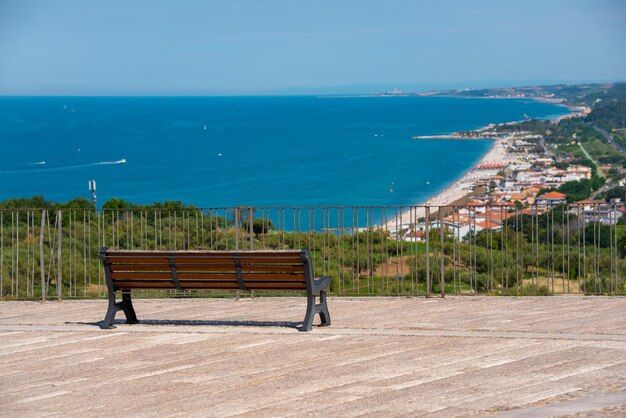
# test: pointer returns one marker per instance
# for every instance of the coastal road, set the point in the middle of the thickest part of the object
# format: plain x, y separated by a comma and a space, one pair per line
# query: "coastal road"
609, 138
611, 141
606, 186
602, 189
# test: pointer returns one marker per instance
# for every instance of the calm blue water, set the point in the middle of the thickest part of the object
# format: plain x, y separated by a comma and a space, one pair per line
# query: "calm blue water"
227, 151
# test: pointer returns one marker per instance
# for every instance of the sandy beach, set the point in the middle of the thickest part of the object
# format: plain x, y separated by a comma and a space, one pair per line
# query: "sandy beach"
463, 186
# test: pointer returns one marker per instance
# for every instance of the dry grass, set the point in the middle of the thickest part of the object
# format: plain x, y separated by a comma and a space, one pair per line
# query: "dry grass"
393, 267
561, 286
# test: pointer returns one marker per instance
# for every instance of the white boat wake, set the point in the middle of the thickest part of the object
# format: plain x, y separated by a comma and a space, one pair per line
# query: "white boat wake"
48, 167
122, 161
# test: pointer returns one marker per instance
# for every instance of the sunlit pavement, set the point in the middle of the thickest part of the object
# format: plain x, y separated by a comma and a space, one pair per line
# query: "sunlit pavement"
381, 356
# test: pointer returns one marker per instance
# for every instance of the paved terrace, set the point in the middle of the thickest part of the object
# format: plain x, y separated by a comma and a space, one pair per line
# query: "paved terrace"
462, 356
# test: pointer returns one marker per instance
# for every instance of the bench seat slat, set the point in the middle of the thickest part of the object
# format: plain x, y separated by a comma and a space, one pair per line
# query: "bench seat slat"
200, 267
191, 282
207, 261
205, 253
210, 285
208, 276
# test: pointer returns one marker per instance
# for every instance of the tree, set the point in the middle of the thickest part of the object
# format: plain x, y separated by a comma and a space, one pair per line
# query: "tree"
259, 226
597, 182
114, 203
577, 190
173, 205
598, 235
614, 193
79, 203
35, 202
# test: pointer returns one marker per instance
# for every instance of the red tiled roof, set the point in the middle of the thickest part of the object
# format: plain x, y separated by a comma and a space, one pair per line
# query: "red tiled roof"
552, 195
488, 225
489, 166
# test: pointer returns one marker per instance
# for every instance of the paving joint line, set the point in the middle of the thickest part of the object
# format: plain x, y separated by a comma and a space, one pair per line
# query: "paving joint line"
186, 329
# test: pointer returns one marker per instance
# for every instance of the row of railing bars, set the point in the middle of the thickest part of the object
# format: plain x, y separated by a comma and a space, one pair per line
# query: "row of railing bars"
359, 246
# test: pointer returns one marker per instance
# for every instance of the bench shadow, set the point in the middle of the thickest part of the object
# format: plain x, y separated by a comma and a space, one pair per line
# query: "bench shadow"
193, 322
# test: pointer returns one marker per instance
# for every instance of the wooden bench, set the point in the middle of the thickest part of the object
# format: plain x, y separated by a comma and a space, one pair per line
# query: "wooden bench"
238, 270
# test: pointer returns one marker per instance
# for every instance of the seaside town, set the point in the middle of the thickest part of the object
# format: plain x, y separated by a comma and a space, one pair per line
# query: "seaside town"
523, 174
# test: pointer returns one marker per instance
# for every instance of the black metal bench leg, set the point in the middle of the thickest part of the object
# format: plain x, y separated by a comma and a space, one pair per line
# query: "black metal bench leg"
310, 313
322, 308
127, 306
107, 323
313, 308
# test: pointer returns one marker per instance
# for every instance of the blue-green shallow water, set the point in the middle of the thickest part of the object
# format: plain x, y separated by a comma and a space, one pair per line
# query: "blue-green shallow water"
229, 151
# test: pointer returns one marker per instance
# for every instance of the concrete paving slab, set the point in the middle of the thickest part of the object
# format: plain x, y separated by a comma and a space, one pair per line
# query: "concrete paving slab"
459, 356
575, 406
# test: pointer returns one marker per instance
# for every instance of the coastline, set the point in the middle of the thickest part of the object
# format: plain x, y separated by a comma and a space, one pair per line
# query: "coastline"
462, 187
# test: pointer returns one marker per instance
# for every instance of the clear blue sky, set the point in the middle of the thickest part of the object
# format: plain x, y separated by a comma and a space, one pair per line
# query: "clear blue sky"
80, 47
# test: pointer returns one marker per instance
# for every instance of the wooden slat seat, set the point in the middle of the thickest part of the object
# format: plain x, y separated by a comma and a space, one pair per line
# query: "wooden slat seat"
199, 270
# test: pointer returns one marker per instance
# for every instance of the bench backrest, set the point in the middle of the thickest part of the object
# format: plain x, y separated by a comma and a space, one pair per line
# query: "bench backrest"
247, 270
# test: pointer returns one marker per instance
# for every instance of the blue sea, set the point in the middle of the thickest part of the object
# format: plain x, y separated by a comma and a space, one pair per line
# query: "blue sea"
248, 151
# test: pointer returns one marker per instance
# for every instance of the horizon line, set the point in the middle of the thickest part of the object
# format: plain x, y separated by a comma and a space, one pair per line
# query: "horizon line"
301, 91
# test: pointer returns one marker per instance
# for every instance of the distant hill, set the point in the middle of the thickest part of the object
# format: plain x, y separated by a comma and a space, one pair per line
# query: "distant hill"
571, 94
610, 108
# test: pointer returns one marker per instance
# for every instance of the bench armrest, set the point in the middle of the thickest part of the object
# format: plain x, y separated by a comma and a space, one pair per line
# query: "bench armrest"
321, 283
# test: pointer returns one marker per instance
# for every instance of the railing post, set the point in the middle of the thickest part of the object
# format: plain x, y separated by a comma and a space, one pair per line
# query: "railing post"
1, 254
442, 274
59, 258
250, 228
427, 227
237, 229
41, 256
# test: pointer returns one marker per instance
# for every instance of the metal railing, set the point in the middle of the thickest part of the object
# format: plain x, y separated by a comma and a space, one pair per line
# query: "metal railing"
417, 250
